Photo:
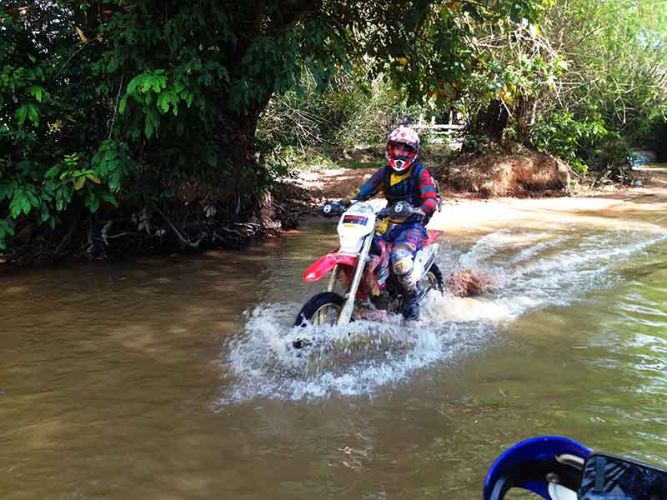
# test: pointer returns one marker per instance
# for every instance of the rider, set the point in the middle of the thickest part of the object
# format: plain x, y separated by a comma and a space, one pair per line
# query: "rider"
404, 179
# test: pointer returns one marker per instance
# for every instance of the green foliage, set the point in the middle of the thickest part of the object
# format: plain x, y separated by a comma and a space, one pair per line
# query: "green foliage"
601, 62
658, 141
475, 142
616, 62
435, 50
106, 103
570, 139
427, 61
572, 57
6, 230
350, 111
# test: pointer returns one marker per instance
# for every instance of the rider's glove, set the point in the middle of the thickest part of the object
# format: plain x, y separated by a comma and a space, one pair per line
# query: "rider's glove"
335, 208
400, 212
418, 215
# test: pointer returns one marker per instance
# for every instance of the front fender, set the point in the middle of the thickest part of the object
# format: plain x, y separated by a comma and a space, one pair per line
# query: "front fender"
322, 266
432, 237
527, 465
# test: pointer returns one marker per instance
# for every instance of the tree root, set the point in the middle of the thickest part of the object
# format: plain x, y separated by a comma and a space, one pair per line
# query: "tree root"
184, 241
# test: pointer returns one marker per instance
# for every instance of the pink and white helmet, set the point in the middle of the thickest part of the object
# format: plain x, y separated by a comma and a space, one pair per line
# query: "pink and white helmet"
400, 159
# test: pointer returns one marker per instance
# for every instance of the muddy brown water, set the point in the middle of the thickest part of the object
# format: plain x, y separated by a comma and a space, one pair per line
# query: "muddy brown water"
170, 378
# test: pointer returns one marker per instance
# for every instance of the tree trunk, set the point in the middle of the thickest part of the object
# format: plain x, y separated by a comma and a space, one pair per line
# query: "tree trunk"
491, 121
237, 141
523, 109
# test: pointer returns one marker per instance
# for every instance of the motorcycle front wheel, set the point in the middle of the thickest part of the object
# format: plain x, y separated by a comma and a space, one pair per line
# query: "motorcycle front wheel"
432, 280
322, 309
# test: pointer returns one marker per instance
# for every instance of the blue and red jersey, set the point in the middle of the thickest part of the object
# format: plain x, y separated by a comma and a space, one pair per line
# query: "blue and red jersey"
416, 186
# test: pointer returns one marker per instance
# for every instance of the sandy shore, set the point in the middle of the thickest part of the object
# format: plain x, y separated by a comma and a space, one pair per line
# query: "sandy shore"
637, 208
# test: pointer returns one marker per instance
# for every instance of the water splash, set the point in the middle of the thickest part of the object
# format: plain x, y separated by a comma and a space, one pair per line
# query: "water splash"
353, 360
538, 270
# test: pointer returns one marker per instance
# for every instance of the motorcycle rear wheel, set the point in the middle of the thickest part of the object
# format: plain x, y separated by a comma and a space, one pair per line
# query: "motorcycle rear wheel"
322, 309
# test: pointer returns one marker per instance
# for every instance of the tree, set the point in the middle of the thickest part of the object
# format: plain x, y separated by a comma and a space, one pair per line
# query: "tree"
616, 52
110, 102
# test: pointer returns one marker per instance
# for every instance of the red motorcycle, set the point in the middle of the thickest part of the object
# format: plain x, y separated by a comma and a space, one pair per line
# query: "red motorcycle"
359, 268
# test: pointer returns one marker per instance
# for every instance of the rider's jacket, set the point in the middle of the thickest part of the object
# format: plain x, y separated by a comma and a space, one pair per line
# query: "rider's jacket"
415, 186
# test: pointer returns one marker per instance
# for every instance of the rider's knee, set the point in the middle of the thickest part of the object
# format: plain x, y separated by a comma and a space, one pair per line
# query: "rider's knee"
402, 260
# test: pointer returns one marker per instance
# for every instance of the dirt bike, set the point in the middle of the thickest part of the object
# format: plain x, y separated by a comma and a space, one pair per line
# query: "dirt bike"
360, 267
559, 468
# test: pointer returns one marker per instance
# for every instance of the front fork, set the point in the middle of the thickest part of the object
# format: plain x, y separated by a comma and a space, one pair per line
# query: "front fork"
426, 268
332, 279
351, 297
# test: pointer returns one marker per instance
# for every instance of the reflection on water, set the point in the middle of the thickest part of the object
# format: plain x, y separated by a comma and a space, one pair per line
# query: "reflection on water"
175, 377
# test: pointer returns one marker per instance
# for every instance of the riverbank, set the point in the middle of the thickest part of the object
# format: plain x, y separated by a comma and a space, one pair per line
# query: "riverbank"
614, 207
469, 204
469, 211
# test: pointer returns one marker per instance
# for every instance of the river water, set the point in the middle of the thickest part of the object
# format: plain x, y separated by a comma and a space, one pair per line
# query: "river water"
172, 377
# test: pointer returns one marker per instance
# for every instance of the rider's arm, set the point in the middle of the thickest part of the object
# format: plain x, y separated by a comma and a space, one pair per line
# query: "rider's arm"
428, 193
371, 187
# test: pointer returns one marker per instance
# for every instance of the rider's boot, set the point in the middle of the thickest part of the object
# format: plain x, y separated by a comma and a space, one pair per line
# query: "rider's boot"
411, 307
410, 298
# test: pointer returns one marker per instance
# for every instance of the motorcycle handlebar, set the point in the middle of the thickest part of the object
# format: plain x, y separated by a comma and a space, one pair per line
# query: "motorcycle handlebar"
400, 210
334, 208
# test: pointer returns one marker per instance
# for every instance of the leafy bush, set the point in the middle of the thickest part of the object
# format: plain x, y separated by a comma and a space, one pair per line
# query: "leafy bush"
562, 135
109, 101
476, 143
306, 127
49, 101
102, 102
351, 111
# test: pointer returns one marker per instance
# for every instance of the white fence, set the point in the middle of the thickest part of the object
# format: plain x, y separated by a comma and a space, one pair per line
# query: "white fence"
430, 127
449, 133
439, 129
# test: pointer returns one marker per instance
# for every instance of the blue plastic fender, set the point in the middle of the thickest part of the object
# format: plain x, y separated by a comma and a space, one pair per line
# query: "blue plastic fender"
526, 465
